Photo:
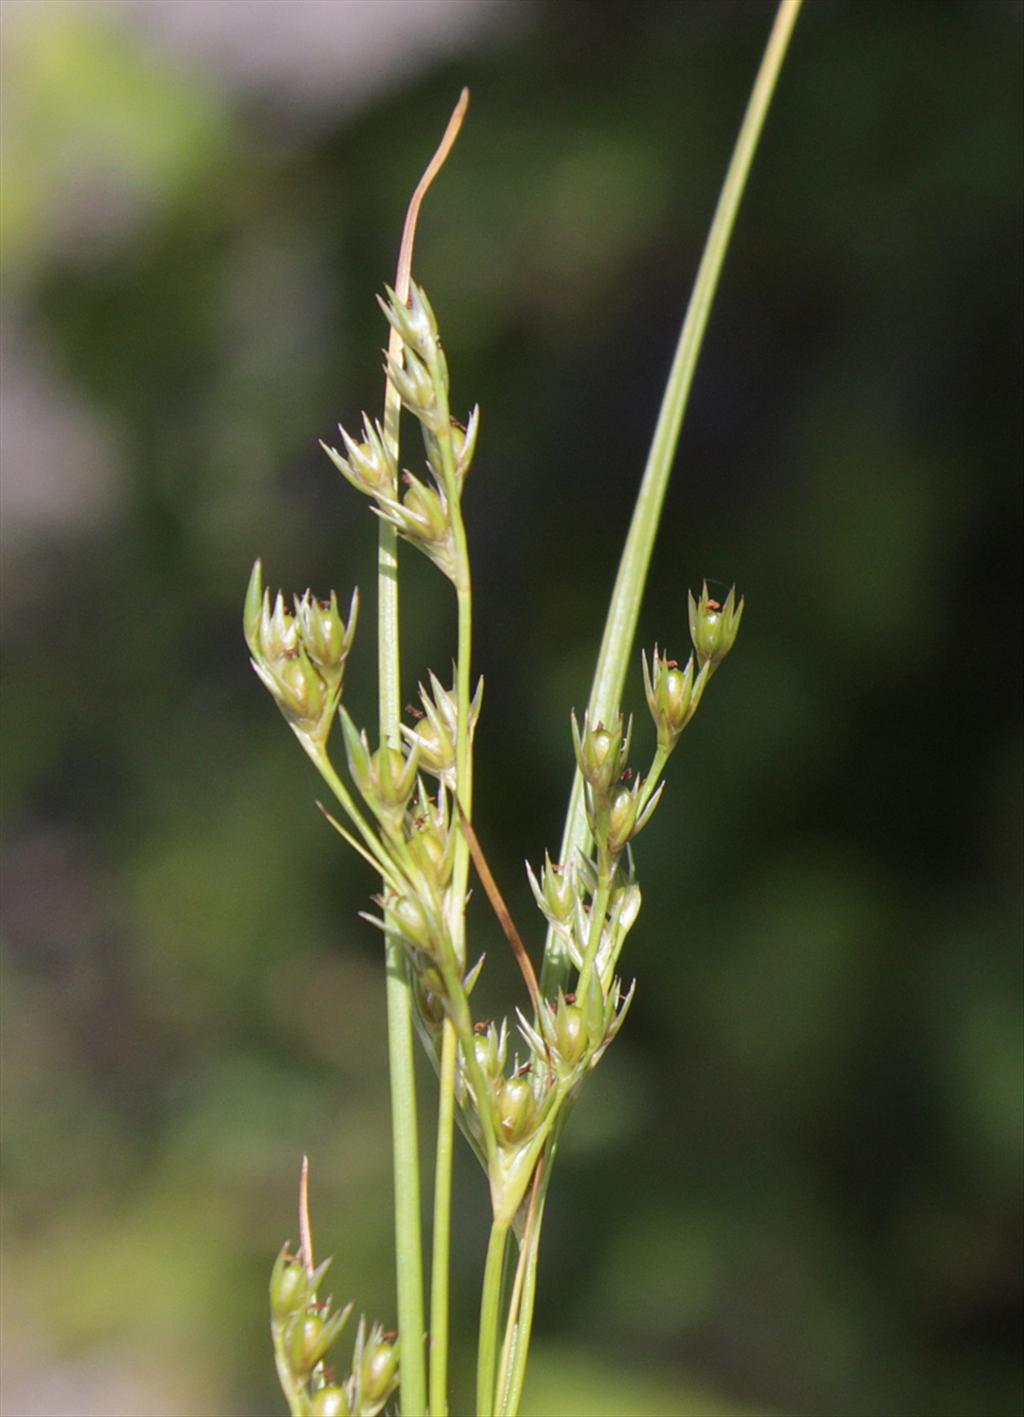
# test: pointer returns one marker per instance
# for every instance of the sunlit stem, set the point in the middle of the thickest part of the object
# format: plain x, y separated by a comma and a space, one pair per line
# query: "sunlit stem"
490, 1317
624, 609
401, 1056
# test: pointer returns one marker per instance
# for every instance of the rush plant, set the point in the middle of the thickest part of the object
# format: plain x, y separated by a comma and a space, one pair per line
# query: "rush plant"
404, 803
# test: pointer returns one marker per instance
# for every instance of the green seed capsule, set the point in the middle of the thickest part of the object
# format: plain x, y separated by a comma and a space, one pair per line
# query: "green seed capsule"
411, 921
304, 1344
289, 1288
601, 753
559, 893
380, 1363
570, 1032
517, 1111
621, 819
388, 775
437, 749
714, 627
331, 1402
425, 505
302, 690
428, 851
490, 1052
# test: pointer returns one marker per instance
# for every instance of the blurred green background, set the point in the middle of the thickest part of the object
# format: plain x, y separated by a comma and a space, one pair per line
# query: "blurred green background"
794, 1185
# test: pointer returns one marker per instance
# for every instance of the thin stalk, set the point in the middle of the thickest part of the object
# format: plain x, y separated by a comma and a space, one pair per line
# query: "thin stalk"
394, 880
512, 1308
598, 912
624, 609
462, 1022
375, 851
441, 1248
401, 1055
401, 1052
440, 1253
510, 1398
490, 1316
441, 1243
292, 1389
653, 778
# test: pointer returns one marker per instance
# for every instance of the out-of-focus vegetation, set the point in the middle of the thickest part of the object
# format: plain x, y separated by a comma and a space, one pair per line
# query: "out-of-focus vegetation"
794, 1187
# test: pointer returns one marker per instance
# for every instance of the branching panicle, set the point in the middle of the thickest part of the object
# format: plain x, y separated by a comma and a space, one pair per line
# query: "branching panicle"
407, 810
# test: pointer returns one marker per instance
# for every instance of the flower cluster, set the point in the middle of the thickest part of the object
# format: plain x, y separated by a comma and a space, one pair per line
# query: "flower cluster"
407, 817
304, 1330
299, 654
422, 510
591, 903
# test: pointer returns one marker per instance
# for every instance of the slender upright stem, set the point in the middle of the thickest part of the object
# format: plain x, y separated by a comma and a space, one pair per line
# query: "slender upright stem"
512, 1386
441, 1240
598, 912
401, 1056
294, 1393
620, 626
513, 1307
398, 988
373, 851
440, 1252
512, 1389
490, 1316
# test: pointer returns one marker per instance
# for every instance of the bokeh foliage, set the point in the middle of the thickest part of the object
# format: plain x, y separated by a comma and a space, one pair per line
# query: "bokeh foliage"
795, 1183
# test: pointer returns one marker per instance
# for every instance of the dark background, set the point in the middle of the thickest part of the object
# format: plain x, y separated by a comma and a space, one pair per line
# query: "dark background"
794, 1185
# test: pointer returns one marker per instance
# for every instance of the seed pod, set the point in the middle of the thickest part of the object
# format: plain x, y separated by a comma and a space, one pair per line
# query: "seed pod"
673, 695
714, 627
378, 1370
391, 777
432, 855
559, 888
570, 1030
436, 733
422, 520
516, 1108
331, 1401
490, 1048
464, 444
326, 637
407, 915
414, 319
369, 465
289, 1286
299, 656
304, 1344
622, 817
309, 1337
424, 506
385, 778
412, 379
601, 753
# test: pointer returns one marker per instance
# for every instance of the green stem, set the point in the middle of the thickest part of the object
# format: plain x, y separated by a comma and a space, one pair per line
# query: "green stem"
620, 626
294, 1391
513, 1309
374, 850
440, 1253
598, 911
509, 1398
490, 1314
513, 1388
405, 1142
511, 1293
439, 1272
398, 994
653, 778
